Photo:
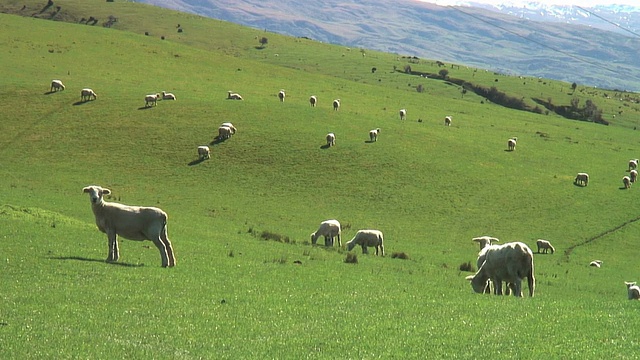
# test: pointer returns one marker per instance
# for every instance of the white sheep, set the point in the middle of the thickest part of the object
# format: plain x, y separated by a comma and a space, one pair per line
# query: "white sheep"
313, 100
510, 262
633, 291
367, 238
56, 85
511, 143
633, 175
87, 94
545, 246
373, 134
485, 241
130, 222
151, 100
336, 104
331, 139
224, 133
582, 179
230, 126
403, 114
596, 263
233, 96
626, 181
330, 229
281, 95
204, 152
168, 96
482, 256
447, 120
633, 164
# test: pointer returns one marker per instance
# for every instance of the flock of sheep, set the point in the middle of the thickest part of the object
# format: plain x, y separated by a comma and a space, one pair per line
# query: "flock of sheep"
582, 178
330, 230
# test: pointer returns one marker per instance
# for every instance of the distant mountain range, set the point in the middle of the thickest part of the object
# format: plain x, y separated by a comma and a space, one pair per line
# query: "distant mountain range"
561, 43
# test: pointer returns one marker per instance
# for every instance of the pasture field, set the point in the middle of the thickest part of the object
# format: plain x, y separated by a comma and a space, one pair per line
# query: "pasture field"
234, 294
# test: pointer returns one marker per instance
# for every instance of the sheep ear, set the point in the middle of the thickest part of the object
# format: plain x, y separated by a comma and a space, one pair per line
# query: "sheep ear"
86, 189
470, 277
476, 239
106, 191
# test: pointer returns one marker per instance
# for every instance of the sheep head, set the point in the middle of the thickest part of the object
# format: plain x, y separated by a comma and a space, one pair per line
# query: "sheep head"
96, 193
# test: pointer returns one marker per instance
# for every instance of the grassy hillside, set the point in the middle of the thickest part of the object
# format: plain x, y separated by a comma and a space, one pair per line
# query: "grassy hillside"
428, 187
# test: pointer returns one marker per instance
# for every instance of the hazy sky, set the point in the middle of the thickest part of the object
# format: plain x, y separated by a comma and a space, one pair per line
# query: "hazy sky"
583, 3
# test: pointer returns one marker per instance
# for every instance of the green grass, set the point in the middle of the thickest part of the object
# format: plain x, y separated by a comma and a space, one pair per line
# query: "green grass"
235, 294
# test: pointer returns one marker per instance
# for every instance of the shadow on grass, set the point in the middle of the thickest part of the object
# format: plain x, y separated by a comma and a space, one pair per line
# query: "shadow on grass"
196, 162
145, 107
369, 141
217, 140
79, 258
50, 92
325, 146
81, 102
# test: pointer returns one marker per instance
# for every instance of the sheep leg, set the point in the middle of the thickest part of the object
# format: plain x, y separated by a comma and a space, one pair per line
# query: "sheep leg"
364, 249
167, 244
339, 241
163, 251
114, 252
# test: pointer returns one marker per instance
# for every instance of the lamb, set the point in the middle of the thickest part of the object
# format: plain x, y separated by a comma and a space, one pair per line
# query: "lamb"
87, 94
331, 139
330, 229
151, 100
204, 152
485, 241
313, 100
281, 95
336, 104
373, 134
403, 114
168, 96
633, 290
130, 222
367, 238
233, 96
510, 262
626, 181
633, 164
582, 179
447, 120
545, 246
56, 85
230, 126
596, 263
511, 143
224, 132
633, 175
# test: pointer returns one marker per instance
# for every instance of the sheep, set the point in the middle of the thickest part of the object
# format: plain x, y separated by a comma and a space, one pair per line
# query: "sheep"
373, 134
204, 152
403, 114
485, 241
281, 95
367, 238
633, 164
230, 126
626, 181
313, 100
168, 96
330, 229
336, 104
510, 262
545, 246
224, 132
447, 120
511, 143
87, 94
56, 85
233, 96
130, 222
482, 256
633, 175
331, 139
596, 263
633, 291
582, 179
151, 100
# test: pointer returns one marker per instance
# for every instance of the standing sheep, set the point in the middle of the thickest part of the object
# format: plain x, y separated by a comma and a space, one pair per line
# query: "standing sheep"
281, 95
367, 238
373, 134
233, 96
626, 182
511, 143
447, 120
56, 85
230, 126
633, 175
582, 179
168, 96
330, 229
633, 291
151, 100
87, 94
331, 139
313, 100
596, 263
633, 164
204, 152
224, 133
403, 114
130, 222
336, 104
545, 246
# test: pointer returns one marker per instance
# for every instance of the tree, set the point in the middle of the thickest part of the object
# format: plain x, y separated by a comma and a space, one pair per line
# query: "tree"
443, 73
263, 41
573, 87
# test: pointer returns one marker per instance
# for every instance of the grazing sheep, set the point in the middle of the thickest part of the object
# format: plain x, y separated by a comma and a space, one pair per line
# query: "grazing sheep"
545, 245
204, 152
230, 126
233, 96
511, 143
336, 104
633, 164
447, 120
510, 262
596, 263
87, 94
151, 100
626, 181
330, 229
485, 241
633, 175
582, 179
313, 100
633, 290
281, 95
130, 222
403, 114
224, 132
482, 256
367, 238
168, 96
56, 85
331, 139
373, 134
